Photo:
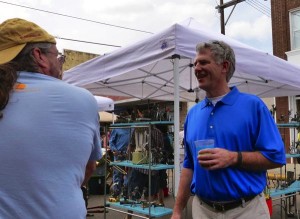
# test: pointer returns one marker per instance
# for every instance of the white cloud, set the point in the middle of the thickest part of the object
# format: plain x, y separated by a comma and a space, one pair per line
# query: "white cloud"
147, 15
259, 29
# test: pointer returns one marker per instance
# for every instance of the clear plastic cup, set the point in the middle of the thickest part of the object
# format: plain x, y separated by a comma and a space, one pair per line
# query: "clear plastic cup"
204, 144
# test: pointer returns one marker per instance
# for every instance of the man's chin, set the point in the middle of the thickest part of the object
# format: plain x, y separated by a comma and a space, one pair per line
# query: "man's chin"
202, 86
201, 83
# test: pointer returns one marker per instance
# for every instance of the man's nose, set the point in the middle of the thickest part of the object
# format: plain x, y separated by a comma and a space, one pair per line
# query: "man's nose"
197, 67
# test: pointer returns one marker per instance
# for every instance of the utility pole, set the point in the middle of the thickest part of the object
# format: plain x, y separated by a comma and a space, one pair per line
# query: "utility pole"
221, 8
222, 17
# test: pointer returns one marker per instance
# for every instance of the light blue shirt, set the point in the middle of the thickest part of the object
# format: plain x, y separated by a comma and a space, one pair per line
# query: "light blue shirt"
238, 122
119, 139
48, 133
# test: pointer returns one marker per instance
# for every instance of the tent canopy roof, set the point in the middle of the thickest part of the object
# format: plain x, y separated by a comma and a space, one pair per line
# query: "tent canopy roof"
104, 103
144, 70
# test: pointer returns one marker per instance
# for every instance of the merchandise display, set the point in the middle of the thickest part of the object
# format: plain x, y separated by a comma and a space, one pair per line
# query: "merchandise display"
283, 184
145, 159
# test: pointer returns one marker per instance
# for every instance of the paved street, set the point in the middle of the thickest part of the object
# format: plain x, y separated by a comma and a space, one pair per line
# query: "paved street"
279, 205
98, 200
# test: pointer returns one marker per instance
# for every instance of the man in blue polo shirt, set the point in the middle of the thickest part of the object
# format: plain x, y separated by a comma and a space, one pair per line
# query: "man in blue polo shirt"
227, 180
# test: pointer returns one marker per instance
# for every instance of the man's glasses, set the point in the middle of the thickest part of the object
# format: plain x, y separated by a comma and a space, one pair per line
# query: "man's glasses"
60, 57
222, 46
219, 44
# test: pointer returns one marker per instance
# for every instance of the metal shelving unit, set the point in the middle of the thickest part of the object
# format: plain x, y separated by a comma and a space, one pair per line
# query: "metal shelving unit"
287, 194
137, 209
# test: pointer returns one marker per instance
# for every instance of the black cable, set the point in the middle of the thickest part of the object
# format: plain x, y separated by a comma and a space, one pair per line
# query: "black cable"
258, 5
81, 41
78, 18
254, 5
262, 5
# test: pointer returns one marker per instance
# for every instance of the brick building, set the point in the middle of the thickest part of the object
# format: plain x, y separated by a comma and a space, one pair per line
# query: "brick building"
286, 45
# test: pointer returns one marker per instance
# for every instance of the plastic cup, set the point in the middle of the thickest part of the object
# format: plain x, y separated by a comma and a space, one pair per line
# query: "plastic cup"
204, 144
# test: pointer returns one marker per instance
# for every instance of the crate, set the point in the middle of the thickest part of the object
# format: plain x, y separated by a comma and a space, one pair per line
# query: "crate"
96, 185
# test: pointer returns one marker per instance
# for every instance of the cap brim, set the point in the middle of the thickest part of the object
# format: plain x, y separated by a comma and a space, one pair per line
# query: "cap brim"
9, 54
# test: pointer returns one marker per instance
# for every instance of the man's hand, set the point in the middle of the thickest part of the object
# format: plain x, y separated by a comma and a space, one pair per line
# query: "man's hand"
176, 215
216, 158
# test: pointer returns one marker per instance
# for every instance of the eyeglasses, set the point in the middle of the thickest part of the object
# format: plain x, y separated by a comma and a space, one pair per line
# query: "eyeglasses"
219, 44
60, 57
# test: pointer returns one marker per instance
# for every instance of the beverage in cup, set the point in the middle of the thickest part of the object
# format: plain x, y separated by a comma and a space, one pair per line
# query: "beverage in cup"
204, 144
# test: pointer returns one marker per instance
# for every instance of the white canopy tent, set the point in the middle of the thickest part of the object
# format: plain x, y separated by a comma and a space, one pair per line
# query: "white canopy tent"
144, 70
159, 67
105, 104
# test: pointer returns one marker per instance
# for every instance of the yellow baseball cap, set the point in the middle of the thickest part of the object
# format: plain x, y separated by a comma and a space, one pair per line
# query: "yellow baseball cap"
15, 33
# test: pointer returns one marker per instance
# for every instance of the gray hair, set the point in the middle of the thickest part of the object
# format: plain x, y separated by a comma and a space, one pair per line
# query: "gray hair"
24, 61
221, 52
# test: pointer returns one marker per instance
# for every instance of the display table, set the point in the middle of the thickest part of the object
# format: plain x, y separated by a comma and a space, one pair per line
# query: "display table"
128, 163
294, 187
287, 194
152, 212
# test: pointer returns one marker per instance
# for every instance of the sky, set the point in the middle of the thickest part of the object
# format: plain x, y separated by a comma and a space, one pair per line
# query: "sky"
124, 22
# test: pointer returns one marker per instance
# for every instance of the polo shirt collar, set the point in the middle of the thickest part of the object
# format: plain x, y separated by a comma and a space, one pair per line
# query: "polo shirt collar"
229, 99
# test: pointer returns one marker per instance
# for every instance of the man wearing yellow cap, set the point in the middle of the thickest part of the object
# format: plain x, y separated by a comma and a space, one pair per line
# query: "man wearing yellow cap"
49, 130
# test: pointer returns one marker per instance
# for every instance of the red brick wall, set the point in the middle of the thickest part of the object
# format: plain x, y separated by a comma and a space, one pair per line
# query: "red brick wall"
281, 43
281, 25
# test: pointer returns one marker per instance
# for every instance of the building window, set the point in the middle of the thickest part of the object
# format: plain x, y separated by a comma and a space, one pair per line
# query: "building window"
295, 29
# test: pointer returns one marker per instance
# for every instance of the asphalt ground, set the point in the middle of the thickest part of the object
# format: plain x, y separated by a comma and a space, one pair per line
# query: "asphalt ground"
282, 207
279, 206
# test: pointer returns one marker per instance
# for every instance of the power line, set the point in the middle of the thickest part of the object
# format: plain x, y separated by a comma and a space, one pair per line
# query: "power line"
258, 7
262, 5
82, 41
78, 18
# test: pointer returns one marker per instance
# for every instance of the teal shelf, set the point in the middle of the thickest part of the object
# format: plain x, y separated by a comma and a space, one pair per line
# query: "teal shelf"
154, 211
151, 212
288, 125
128, 163
294, 187
292, 155
134, 124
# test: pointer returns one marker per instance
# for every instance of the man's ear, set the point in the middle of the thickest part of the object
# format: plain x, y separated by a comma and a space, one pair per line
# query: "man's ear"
225, 67
40, 58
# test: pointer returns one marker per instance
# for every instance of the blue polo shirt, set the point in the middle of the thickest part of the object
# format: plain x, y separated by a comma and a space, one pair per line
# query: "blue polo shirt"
238, 122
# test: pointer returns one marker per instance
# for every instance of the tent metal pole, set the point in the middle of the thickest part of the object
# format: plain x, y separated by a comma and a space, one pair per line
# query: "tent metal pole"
176, 121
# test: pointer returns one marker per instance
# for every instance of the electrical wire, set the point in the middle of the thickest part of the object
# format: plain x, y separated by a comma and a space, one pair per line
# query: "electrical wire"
82, 41
258, 7
78, 18
262, 5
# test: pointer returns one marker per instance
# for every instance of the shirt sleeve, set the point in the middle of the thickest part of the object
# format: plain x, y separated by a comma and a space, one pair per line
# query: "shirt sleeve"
96, 152
269, 141
188, 156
